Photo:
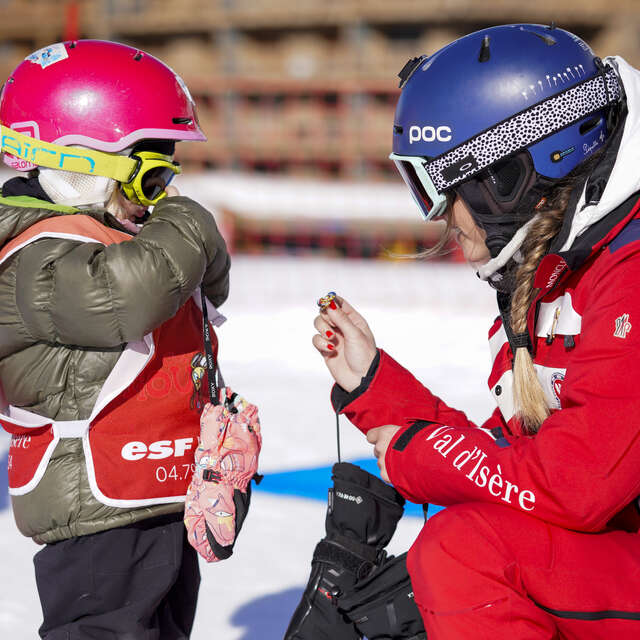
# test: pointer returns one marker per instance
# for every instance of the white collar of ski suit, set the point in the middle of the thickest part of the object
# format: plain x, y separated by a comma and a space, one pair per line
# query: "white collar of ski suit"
623, 181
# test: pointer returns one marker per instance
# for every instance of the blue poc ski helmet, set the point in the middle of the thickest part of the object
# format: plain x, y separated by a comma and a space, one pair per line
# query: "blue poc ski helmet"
497, 117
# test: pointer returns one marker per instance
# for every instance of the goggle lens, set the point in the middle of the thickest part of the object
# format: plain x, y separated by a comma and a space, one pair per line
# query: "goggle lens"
155, 180
432, 204
151, 177
408, 174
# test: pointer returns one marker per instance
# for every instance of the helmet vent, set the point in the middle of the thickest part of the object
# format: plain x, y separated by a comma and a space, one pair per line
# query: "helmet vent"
409, 68
589, 125
547, 39
485, 51
138, 56
182, 120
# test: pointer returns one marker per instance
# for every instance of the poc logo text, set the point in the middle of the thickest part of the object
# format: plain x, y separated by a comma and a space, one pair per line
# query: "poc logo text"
429, 134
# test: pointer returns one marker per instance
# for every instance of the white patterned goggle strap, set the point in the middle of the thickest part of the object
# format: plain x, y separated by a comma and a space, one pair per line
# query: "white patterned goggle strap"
524, 129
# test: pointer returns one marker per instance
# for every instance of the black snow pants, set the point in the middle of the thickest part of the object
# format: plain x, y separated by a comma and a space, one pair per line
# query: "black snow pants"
138, 582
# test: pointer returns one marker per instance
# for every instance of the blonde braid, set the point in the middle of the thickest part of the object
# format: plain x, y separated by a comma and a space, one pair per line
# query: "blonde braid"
530, 402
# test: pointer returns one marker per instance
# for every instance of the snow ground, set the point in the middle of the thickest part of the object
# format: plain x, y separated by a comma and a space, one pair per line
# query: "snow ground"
432, 317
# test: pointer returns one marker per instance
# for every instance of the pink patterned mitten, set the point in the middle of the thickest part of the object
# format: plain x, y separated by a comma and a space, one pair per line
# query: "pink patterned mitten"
226, 460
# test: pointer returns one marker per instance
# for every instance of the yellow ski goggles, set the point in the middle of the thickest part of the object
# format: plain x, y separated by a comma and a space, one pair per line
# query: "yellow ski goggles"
154, 171
143, 176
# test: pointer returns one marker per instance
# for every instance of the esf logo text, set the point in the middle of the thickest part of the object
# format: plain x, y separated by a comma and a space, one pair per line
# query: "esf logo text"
429, 134
158, 450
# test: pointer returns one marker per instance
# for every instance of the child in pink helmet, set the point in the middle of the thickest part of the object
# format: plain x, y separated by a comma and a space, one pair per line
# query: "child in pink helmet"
99, 330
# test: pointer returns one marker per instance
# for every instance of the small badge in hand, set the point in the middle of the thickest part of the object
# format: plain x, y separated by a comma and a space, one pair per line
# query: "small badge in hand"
326, 301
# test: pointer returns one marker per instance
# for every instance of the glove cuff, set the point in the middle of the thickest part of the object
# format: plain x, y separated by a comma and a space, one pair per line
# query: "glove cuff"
356, 558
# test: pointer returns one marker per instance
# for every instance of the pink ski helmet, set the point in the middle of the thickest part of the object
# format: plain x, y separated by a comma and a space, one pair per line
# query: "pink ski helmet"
97, 94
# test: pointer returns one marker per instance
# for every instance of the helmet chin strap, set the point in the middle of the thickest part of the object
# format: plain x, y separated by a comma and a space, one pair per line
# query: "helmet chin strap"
489, 270
503, 202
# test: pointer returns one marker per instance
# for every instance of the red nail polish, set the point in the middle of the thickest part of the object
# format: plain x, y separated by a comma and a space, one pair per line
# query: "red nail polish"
333, 304
330, 347
328, 333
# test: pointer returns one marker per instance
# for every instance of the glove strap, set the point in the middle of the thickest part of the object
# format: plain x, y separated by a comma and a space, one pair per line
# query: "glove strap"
213, 371
359, 559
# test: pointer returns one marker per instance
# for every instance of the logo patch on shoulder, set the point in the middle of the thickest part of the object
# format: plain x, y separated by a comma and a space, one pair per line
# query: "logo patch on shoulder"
556, 386
623, 326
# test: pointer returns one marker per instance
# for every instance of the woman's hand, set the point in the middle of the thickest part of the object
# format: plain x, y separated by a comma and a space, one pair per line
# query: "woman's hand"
381, 437
345, 342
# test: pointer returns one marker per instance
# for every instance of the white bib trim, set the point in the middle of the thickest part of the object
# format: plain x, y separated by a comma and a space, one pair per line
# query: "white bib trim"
130, 364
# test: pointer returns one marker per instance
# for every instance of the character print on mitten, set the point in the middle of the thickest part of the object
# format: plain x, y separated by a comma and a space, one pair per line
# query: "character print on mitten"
226, 460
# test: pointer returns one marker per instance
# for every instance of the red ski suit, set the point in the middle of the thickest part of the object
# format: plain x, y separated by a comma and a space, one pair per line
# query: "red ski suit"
540, 537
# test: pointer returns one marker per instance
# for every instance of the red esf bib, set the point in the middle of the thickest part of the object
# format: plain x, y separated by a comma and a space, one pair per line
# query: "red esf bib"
140, 438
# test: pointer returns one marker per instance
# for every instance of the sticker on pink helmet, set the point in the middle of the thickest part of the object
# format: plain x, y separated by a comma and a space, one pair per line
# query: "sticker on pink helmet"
47, 56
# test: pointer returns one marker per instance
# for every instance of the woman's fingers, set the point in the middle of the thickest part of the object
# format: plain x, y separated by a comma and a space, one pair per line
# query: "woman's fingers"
335, 361
345, 318
338, 318
356, 318
372, 435
381, 437
324, 328
379, 453
326, 339
359, 348
323, 345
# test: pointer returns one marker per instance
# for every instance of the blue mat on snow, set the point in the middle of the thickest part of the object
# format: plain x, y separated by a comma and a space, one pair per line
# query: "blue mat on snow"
304, 483
313, 483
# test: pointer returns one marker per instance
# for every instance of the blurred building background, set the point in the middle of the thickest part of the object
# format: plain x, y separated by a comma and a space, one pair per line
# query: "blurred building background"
294, 94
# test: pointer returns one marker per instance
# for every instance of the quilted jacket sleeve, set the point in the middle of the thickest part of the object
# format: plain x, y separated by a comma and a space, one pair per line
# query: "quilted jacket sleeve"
91, 295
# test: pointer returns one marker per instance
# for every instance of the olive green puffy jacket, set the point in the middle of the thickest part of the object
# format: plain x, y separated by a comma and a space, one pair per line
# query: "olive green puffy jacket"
67, 310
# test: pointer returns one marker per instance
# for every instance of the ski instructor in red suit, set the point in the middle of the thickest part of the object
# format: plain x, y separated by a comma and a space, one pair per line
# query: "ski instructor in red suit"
528, 146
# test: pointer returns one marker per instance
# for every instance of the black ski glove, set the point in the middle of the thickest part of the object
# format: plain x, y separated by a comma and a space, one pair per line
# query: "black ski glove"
382, 606
361, 518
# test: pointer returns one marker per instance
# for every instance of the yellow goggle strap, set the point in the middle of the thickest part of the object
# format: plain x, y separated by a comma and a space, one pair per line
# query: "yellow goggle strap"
78, 160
